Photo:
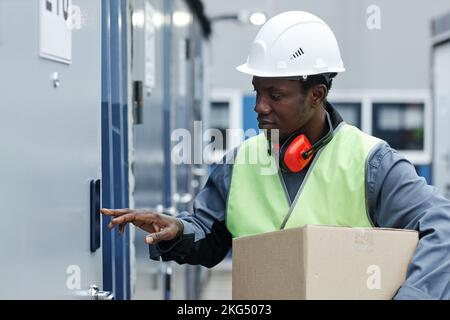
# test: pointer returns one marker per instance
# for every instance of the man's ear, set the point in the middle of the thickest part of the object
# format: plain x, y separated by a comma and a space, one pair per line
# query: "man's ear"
318, 94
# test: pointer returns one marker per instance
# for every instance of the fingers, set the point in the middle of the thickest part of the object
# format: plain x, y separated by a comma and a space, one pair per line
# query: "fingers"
129, 217
115, 212
159, 227
122, 228
164, 234
134, 217
154, 238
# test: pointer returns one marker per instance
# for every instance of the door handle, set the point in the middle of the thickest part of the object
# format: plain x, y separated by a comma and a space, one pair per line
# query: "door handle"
138, 102
97, 294
95, 214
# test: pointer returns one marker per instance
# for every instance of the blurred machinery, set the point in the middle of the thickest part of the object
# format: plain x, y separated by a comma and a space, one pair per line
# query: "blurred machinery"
168, 74
441, 102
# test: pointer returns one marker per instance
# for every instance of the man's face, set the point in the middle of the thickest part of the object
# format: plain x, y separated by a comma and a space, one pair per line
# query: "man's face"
281, 104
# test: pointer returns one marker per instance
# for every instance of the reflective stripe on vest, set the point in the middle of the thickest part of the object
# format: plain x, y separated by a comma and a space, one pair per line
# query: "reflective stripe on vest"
332, 193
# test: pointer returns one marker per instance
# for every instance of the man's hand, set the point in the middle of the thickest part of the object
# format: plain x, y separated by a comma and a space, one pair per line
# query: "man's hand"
160, 226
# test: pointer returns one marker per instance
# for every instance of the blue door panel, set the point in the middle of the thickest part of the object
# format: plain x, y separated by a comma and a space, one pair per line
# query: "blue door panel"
116, 271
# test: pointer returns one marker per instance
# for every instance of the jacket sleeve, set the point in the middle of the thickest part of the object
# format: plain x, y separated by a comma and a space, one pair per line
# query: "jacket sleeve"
399, 198
205, 239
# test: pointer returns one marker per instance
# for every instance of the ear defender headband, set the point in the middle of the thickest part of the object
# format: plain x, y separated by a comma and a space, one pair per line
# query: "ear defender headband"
297, 151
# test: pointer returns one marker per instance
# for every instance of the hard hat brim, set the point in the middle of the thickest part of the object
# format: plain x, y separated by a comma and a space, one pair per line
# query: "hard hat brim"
244, 68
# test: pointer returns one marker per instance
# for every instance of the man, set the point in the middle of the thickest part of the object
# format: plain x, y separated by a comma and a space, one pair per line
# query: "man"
331, 173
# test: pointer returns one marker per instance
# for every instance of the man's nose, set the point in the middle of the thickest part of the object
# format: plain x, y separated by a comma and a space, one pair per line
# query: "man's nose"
262, 107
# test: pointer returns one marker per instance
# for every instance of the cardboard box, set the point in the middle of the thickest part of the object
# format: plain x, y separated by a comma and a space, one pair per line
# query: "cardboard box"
322, 262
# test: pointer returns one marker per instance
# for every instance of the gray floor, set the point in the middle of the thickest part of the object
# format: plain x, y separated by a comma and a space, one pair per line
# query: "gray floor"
149, 285
218, 286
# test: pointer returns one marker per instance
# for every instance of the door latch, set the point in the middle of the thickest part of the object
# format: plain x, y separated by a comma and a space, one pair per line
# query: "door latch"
97, 294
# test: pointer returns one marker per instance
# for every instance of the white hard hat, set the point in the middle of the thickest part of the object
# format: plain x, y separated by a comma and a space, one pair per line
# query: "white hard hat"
293, 43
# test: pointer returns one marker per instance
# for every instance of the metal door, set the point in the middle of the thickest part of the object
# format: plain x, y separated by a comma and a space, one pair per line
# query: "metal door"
50, 137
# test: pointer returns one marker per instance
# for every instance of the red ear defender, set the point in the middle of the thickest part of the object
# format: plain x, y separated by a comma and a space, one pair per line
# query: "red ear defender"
296, 152
293, 157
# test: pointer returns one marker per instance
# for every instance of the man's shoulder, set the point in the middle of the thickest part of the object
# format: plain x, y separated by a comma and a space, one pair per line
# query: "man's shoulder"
383, 153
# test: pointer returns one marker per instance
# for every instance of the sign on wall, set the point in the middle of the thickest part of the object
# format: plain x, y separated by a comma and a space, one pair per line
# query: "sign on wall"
55, 32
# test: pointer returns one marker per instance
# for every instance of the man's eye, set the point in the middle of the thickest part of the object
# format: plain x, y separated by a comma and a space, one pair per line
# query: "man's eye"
275, 97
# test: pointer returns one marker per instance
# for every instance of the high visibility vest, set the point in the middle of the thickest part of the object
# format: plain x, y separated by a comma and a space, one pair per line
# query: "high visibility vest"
332, 193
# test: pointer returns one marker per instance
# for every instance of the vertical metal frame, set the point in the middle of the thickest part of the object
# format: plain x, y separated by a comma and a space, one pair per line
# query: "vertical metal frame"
116, 267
